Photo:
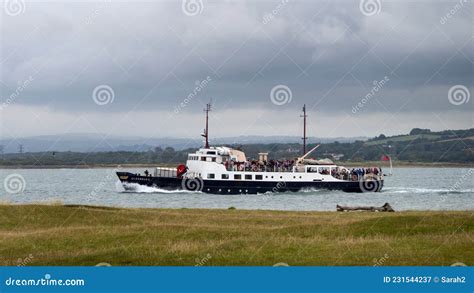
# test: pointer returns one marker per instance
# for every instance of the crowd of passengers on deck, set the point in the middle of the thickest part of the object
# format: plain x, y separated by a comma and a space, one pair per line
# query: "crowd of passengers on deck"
258, 166
356, 173
287, 166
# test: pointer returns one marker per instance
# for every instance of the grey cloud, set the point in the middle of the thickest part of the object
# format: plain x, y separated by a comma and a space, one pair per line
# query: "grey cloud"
152, 54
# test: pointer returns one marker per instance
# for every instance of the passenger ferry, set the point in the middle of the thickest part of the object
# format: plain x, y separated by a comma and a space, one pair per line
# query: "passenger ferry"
225, 170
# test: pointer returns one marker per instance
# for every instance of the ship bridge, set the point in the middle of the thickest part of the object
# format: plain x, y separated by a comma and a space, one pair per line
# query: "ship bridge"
218, 155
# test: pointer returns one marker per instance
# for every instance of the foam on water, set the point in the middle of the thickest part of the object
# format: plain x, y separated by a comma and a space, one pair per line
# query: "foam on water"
425, 190
137, 188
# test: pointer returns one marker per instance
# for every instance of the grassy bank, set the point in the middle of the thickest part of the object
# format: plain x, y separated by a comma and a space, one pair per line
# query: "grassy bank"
76, 235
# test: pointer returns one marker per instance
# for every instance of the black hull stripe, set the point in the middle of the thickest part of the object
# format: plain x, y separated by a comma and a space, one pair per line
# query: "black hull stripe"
243, 186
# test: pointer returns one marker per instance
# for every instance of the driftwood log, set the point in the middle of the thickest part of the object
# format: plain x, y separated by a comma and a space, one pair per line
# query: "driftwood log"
385, 208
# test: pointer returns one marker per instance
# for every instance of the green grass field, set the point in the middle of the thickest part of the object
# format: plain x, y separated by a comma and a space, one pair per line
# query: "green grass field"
78, 235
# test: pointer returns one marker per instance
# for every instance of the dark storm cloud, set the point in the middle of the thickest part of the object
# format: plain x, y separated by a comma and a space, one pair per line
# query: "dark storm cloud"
152, 54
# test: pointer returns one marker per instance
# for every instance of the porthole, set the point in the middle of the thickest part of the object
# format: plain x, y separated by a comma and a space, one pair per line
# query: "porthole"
220, 190
240, 190
228, 190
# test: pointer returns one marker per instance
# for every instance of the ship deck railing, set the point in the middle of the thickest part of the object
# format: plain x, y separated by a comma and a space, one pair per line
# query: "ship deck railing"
347, 177
276, 169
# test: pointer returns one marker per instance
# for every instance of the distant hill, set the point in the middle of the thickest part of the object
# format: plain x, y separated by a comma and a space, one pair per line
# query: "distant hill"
450, 146
102, 143
422, 145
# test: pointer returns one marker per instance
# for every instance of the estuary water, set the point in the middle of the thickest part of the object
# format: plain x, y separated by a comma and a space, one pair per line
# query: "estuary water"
407, 189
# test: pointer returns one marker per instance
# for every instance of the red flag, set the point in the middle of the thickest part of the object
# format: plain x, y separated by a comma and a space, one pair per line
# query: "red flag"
385, 158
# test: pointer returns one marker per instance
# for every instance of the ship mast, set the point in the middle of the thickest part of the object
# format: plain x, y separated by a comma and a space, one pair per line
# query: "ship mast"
304, 138
206, 130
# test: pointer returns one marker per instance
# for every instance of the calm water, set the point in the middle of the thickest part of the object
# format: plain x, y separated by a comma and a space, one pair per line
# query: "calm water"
408, 189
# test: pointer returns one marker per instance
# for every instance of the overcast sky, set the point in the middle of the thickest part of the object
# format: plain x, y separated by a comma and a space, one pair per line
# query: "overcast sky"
148, 68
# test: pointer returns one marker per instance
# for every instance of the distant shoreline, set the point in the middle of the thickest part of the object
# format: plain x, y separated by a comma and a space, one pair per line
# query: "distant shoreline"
398, 164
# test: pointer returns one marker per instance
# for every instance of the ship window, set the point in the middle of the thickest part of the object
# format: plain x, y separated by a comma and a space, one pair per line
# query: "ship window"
258, 177
248, 177
211, 153
323, 170
211, 176
225, 176
237, 176
203, 158
213, 159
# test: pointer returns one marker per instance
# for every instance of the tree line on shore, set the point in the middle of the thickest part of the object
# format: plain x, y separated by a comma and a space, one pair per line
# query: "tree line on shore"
421, 145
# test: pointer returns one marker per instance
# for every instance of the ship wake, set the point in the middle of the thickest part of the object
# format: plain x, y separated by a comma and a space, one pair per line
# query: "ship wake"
427, 190
138, 188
